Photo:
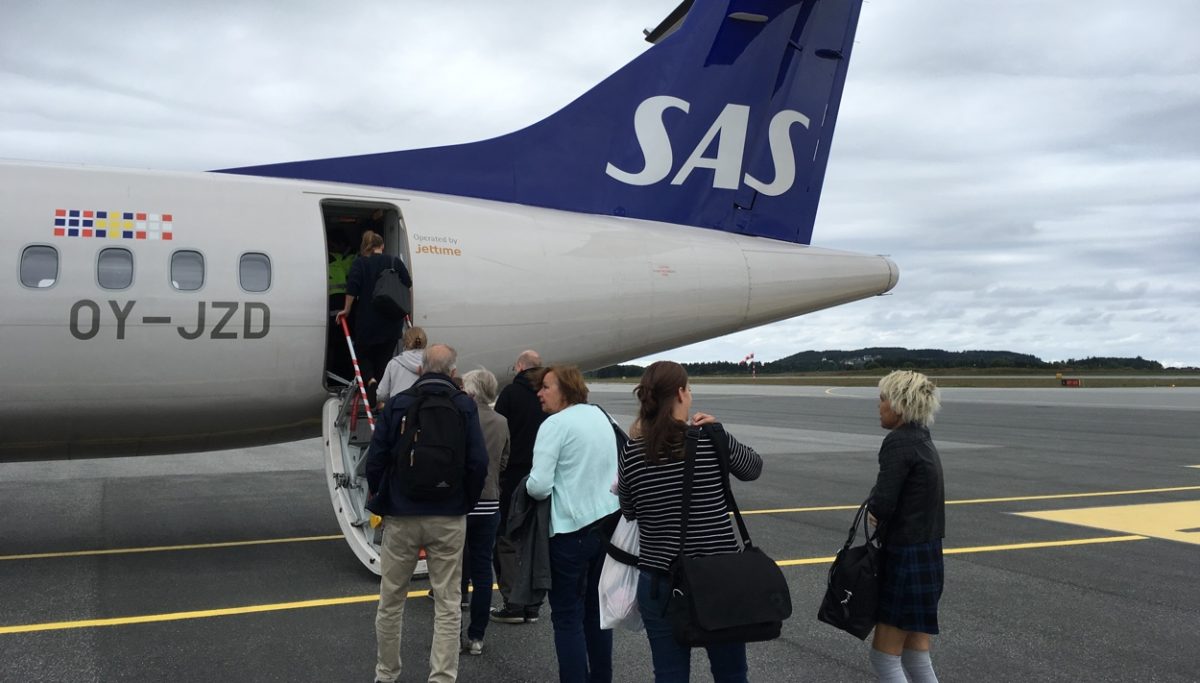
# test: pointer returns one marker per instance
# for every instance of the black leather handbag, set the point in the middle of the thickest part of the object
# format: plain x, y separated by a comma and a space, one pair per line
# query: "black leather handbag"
739, 597
390, 296
852, 592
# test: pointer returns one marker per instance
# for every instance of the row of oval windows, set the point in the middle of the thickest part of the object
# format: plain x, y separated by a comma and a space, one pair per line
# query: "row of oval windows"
114, 269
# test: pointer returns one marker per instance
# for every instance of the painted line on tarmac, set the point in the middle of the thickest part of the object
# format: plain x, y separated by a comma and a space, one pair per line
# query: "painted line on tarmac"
165, 548
978, 501
992, 548
824, 508
333, 602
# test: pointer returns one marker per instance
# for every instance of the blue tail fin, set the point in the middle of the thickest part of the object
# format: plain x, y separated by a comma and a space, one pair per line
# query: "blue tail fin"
724, 123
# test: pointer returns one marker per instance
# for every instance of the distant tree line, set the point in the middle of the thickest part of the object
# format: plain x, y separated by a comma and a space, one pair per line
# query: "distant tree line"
894, 358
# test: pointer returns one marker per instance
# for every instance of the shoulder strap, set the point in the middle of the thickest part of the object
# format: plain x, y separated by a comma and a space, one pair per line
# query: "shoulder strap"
717, 433
620, 435
438, 381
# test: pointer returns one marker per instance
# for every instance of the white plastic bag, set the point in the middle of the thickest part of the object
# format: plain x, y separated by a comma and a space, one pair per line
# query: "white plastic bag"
619, 582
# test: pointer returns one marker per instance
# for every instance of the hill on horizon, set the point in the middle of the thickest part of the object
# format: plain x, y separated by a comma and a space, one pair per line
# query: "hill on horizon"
894, 358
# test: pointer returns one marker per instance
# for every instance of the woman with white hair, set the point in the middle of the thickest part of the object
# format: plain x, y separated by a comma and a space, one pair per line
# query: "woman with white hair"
484, 520
908, 507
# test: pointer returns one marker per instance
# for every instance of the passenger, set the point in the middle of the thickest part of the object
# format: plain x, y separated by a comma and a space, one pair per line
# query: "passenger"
574, 463
908, 505
374, 334
409, 525
484, 520
403, 370
519, 404
650, 485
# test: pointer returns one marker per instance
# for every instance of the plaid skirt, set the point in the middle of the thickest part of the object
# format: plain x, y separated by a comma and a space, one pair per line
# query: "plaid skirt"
911, 586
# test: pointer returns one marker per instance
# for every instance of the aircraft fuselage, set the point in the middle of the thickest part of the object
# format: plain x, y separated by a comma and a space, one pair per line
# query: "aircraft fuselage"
161, 365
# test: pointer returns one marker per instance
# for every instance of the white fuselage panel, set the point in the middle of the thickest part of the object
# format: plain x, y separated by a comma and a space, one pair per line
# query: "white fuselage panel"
149, 368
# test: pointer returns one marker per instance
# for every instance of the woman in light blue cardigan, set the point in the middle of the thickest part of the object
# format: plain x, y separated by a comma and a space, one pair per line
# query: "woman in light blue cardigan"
575, 464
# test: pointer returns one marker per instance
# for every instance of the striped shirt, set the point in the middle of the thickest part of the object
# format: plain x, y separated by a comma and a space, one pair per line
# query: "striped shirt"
485, 507
653, 495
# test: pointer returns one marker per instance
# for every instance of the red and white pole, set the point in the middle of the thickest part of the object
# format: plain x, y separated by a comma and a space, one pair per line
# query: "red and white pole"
362, 387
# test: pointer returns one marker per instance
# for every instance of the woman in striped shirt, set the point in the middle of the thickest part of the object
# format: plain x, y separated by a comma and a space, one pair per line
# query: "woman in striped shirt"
650, 486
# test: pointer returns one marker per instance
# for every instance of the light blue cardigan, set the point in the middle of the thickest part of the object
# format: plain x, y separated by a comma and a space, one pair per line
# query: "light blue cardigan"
575, 463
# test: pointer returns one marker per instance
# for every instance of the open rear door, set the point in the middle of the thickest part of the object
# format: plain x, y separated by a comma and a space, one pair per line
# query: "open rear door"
347, 438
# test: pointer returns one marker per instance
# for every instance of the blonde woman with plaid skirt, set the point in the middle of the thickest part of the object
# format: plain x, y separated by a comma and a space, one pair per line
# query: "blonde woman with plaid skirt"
908, 506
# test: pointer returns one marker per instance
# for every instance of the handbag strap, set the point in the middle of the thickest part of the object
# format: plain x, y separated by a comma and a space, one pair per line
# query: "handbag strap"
618, 433
860, 518
716, 433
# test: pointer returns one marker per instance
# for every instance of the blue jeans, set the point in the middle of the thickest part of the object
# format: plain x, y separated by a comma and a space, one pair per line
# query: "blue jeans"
477, 569
584, 650
672, 661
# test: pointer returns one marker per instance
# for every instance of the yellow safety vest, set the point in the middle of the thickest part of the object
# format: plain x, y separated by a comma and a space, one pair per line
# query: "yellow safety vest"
339, 269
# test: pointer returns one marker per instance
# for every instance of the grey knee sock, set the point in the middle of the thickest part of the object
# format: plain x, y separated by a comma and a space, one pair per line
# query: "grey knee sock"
918, 666
887, 667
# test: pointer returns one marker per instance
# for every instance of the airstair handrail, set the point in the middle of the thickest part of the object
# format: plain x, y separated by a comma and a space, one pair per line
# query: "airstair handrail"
362, 387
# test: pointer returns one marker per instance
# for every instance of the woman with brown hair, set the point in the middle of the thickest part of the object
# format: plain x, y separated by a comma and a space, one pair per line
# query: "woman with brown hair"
650, 486
374, 334
574, 463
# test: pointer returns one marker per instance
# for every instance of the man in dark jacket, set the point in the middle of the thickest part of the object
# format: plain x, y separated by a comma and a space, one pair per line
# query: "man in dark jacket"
518, 402
409, 525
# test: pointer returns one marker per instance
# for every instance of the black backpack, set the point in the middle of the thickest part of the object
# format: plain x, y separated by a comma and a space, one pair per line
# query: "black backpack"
430, 457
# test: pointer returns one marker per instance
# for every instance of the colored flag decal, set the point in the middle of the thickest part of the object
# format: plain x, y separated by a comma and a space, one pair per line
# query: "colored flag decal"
115, 225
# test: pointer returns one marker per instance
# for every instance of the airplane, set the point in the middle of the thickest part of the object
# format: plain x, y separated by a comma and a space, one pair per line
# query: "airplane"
174, 312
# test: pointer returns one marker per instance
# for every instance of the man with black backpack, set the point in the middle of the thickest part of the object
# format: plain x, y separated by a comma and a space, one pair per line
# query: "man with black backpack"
425, 471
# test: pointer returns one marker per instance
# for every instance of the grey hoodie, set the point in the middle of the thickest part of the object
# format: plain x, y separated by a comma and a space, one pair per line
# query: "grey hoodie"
401, 373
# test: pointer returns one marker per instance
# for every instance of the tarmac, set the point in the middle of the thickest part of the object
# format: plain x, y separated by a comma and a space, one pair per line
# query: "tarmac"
1072, 547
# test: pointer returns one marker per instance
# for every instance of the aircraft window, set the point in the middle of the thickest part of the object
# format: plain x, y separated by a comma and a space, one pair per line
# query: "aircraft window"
39, 266
187, 270
114, 268
254, 272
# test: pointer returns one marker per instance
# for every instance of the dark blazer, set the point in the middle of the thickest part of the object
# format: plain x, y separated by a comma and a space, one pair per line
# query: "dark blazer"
529, 528
370, 326
386, 499
909, 498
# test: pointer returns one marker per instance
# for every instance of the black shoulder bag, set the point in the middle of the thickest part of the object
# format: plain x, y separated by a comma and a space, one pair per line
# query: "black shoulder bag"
852, 593
738, 597
391, 298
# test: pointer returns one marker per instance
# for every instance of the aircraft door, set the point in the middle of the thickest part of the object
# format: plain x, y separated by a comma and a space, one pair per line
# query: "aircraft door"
345, 222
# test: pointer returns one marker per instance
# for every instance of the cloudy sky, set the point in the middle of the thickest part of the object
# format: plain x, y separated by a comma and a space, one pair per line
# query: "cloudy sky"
1033, 167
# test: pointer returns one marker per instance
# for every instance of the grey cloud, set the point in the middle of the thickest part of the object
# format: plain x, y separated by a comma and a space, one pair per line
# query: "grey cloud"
1032, 167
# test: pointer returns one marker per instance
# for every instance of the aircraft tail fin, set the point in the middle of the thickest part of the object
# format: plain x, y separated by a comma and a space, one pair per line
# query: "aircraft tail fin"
724, 123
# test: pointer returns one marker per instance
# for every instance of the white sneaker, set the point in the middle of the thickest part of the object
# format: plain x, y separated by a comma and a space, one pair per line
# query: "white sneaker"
475, 647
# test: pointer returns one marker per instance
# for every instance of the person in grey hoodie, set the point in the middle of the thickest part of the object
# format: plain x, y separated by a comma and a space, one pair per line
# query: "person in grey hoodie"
403, 370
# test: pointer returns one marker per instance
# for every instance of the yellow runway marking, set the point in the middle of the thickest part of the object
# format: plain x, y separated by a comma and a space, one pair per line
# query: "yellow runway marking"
165, 548
1170, 521
774, 511
331, 602
198, 614
978, 501
990, 548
